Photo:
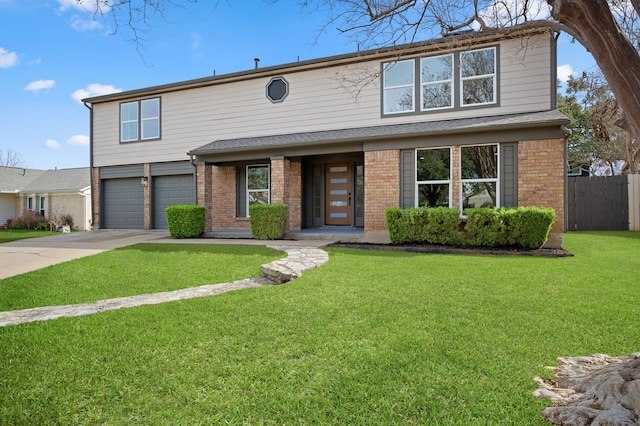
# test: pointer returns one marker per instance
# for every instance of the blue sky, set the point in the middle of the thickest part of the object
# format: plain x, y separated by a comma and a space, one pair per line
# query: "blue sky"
52, 54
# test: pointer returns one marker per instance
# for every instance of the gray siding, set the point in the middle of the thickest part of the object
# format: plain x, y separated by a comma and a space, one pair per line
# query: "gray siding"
407, 179
172, 168
509, 175
116, 172
319, 99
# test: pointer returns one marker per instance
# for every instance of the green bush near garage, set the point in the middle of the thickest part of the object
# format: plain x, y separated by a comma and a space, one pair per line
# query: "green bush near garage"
185, 220
268, 221
524, 227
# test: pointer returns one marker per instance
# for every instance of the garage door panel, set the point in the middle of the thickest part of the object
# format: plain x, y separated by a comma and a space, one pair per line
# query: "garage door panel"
170, 190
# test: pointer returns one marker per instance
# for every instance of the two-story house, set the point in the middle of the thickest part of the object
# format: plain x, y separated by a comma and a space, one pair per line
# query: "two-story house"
462, 121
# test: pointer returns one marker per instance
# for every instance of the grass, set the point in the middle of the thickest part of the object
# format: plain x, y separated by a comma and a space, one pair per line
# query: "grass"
137, 269
7, 236
369, 338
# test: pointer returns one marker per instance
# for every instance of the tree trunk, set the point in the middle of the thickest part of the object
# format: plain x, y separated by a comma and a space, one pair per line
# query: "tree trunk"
593, 25
593, 390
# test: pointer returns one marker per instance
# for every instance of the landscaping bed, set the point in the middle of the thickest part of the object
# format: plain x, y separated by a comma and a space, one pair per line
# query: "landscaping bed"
439, 249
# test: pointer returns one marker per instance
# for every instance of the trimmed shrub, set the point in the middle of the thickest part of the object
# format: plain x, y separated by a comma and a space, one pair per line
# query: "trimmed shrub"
485, 227
432, 225
268, 221
526, 227
185, 220
27, 220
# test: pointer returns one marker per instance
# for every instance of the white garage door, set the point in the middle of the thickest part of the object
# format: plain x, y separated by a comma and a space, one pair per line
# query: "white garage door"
123, 204
170, 190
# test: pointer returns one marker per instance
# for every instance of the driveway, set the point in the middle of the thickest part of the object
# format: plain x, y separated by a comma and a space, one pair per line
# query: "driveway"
30, 254
27, 255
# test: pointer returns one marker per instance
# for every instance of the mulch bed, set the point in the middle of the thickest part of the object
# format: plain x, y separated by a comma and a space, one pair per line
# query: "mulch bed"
426, 248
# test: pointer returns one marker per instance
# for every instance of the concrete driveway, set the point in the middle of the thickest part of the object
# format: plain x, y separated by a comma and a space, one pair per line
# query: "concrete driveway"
28, 255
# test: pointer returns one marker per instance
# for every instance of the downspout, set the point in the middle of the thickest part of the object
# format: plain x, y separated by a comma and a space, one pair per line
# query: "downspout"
192, 160
91, 162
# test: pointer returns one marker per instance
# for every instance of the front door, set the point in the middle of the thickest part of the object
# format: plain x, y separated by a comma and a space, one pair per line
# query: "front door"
338, 184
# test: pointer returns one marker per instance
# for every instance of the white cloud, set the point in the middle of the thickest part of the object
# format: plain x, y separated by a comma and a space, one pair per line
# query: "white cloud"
38, 85
79, 140
79, 24
7, 59
564, 72
512, 12
95, 89
51, 144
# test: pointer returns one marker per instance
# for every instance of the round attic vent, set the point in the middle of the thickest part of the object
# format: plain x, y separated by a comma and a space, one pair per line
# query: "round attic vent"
277, 89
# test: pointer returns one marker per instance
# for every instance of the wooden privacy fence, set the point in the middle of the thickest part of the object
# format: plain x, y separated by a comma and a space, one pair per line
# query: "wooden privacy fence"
603, 203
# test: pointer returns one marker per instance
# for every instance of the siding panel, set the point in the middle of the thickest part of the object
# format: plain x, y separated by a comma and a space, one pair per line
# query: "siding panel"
320, 99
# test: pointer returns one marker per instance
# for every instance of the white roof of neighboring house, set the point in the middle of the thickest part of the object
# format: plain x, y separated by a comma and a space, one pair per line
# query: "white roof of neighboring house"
21, 180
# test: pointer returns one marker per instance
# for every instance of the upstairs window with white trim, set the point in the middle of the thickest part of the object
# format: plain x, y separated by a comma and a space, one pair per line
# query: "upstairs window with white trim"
433, 177
140, 120
479, 166
258, 185
398, 86
478, 77
436, 82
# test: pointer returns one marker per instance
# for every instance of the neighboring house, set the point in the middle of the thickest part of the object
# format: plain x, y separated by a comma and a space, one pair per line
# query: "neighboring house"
459, 121
50, 193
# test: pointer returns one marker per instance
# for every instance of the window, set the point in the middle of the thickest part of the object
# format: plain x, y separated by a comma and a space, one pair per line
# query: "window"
398, 86
140, 120
455, 80
258, 182
478, 76
433, 177
42, 209
30, 203
437, 82
479, 176
277, 89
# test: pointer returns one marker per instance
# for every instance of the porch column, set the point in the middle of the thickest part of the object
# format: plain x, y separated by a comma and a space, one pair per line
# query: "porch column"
381, 190
286, 188
204, 193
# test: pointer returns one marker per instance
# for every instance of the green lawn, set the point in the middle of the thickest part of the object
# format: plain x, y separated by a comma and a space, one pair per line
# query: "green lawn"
14, 235
369, 338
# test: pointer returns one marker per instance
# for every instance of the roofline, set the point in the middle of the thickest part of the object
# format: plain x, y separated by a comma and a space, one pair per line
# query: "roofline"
453, 41
560, 122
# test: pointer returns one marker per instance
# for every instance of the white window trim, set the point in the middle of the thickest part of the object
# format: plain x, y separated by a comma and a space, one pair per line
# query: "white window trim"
432, 83
494, 75
496, 179
140, 121
412, 85
246, 185
433, 182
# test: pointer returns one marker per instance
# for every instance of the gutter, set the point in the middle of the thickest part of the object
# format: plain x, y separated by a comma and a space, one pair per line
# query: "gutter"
89, 107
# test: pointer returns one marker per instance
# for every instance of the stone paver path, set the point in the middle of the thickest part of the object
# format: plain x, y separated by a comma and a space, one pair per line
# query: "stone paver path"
298, 260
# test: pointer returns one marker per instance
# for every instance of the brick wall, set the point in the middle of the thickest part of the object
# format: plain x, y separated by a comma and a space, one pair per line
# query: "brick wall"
541, 177
223, 203
382, 187
286, 188
204, 193
455, 177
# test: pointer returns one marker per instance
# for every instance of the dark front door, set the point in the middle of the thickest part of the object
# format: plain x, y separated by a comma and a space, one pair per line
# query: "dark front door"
338, 188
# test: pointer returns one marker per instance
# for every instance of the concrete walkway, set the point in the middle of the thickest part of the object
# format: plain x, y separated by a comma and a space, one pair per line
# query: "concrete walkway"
41, 252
